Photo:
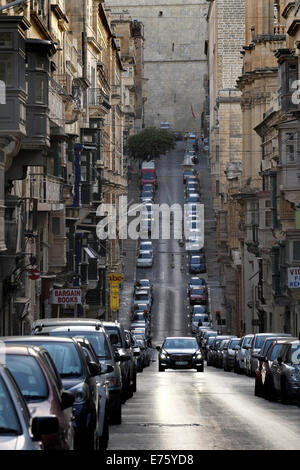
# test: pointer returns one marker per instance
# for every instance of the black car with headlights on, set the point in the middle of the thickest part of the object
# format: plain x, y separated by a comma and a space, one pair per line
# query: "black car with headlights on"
180, 353
79, 378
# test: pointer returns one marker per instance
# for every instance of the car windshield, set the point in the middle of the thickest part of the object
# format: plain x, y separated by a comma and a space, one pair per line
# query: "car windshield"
295, 354
233, 343
196, 282
198, 309
65, 357
266, 347
148, 175
180, 343
198, 292
97, 340
275, 351
29, 376
259, 341
141, 296
246, 341
110, 330
210, 339
198, 317
9, 423
145, 255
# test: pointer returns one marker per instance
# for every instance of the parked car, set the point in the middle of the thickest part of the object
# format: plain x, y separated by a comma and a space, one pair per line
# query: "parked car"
138, 354
95, 333
18, 429
253, 351
180, 353
206, 344
76, 377
193, 197
196, 281
146, 246
199, 319
103, 392
229, 354
144, 350
241, 352
212, 351
267, 344
143, 283
146, 195
144, 259
198, 295
124, 350
188, 173
141, 296
284, 374
196, 309
220, 351
42, 389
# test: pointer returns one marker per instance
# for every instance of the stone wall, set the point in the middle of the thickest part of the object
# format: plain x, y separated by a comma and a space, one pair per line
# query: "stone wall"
175, 62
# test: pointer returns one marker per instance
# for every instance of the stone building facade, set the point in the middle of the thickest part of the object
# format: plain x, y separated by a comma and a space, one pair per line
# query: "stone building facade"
174, 58
226, 26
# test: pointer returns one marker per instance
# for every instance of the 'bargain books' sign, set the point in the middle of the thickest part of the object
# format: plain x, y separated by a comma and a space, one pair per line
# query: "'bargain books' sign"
66, 296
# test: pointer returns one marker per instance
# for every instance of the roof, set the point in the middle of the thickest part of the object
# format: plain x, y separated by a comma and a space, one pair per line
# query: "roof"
37, 338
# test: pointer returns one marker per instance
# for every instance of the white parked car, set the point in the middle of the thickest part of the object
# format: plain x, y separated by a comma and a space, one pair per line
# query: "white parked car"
144, 259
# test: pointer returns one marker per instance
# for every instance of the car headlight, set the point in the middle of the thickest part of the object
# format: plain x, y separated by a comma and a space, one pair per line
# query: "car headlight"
80, 393
164, 355
294, 375
198, 355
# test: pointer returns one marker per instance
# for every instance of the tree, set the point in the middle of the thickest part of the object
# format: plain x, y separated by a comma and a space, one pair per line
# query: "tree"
151, 142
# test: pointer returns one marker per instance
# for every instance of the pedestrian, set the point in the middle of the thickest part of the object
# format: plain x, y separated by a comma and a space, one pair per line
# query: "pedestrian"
149, 345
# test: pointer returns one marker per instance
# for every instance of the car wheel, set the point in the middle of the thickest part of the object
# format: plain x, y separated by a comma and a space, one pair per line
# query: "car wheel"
284, 396
160, 368
200, 369
133, 386
270, 392
116, 416
256, 389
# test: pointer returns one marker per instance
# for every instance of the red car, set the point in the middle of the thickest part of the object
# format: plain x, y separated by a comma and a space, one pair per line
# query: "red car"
41, 387
198, 295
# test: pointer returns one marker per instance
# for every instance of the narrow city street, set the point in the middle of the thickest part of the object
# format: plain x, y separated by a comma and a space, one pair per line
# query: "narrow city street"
185, 409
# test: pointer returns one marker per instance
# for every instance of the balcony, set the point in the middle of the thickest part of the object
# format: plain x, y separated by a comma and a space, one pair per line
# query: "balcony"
116, 92
95, 97
48, 190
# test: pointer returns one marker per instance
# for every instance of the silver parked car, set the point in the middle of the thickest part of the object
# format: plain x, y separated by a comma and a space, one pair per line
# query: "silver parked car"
18, 430
229, 354
241, 354
144, 259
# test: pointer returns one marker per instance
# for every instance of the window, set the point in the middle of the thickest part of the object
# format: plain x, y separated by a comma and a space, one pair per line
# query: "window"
55, 225
290, 141
268, 214
217, 187
28, 375
296, 250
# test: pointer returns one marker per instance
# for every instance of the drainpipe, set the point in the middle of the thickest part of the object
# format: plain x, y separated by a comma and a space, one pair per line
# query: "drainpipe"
85, 57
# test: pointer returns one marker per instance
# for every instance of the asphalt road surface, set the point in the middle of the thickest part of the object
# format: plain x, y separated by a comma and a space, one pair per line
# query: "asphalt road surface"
188, 410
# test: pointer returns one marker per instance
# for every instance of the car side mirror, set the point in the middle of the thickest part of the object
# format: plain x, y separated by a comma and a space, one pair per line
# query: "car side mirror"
43, 425
117, 356
67, 399
261, 358
279, 360
127, 344
137, 352
108, 369
157, 348
94, 368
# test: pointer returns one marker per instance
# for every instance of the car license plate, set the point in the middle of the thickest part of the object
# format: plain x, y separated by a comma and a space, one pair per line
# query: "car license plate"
181, 363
